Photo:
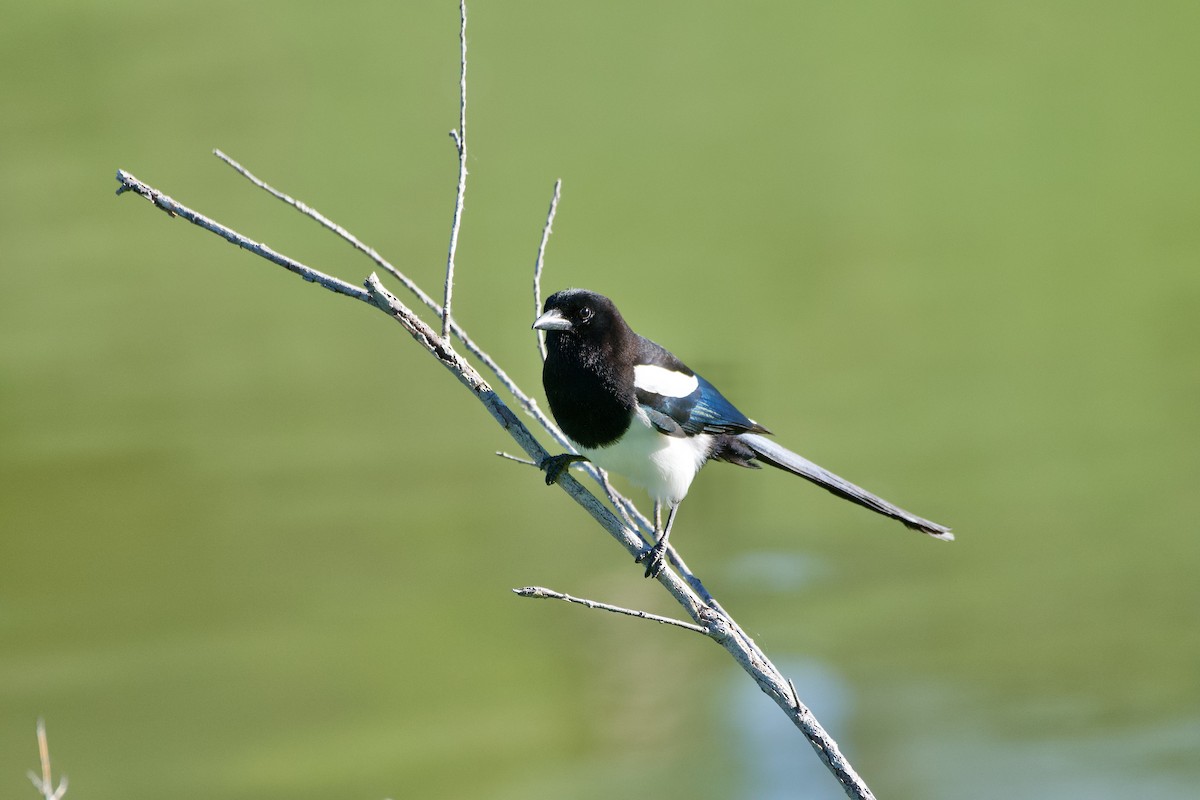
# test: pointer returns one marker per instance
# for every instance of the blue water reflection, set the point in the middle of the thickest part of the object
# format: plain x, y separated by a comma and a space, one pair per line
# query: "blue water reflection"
776, 762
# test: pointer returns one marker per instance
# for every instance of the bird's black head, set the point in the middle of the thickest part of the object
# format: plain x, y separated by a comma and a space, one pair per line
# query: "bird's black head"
588, 373
578, 312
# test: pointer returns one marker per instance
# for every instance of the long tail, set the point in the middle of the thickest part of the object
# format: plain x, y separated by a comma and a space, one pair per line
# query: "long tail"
771, 453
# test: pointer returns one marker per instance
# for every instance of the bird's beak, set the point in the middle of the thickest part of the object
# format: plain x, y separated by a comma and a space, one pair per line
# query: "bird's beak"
552, 320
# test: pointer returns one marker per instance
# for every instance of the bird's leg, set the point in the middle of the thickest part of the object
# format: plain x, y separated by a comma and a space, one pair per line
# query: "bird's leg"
655, 556
555, 466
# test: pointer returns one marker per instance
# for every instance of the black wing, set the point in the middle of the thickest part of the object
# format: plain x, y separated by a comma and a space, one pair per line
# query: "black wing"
703, 409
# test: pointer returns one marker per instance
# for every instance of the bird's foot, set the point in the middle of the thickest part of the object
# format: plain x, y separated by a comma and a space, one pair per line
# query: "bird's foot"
654, 558
555, 466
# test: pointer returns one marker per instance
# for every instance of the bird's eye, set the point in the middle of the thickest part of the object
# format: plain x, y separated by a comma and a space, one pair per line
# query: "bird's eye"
585, 314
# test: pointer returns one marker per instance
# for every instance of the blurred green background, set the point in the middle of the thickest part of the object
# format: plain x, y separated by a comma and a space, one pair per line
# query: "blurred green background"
255, 542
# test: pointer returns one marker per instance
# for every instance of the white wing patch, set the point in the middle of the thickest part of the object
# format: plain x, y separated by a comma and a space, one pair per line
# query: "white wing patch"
663, 381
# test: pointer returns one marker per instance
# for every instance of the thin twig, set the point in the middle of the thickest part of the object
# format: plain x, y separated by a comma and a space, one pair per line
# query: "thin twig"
550, 594
174, 209
294, 203
537, 267
460, 142
517, 459
45, 783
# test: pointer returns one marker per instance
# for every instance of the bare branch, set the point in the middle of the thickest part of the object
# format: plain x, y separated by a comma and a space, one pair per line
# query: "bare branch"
719, 625
517, 459
689, 592
537, 267
460, 143
541, 592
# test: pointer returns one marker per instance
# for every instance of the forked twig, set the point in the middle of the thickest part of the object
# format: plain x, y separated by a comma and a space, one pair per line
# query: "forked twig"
44, 783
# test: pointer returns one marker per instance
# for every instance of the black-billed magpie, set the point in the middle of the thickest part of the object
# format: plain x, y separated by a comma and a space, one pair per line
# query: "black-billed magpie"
631, 407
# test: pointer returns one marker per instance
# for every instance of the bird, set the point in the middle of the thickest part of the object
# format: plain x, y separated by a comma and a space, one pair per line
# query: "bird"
631, 407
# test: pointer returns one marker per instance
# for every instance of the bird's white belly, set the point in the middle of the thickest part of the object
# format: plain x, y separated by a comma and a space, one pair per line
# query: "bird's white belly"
663, 465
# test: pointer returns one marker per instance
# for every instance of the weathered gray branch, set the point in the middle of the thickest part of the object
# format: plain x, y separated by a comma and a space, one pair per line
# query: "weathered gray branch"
703, 610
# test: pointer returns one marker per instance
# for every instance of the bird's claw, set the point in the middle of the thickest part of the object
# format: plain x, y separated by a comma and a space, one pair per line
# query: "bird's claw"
654, 557
555, 466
